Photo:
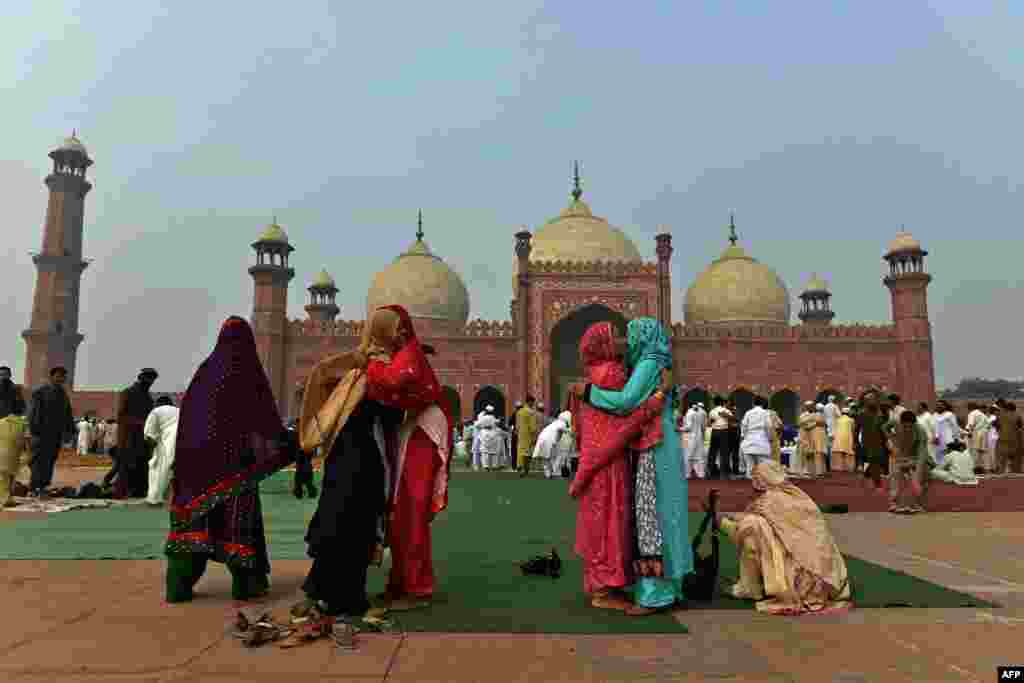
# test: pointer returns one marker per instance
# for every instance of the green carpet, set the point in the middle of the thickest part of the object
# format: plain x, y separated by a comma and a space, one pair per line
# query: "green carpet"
493, 522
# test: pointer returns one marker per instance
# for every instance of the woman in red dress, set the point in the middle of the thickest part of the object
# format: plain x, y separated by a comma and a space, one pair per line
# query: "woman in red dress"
603, 483
421, 465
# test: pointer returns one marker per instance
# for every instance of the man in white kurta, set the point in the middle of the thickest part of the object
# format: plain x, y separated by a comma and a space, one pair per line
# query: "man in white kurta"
756, 435
694, 423
958, 467
926, 419
490, 440
947, 429
162, 429
977, 429
547, 443
84, 436
832, 413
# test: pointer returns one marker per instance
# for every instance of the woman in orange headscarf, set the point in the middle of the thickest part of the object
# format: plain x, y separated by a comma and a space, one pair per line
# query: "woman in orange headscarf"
351, 429
421, 464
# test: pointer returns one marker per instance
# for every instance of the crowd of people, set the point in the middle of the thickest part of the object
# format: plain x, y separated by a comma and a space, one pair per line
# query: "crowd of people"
377, 416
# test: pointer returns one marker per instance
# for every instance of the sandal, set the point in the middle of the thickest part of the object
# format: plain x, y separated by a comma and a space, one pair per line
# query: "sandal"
609, 602
308, 632
408, 604
262, 632
344, 636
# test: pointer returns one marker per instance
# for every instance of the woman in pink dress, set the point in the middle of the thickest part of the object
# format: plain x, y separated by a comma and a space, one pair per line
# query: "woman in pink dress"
603, 483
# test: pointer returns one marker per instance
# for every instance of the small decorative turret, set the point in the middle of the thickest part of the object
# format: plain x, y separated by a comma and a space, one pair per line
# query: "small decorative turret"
816, 307
272, 246
322, 292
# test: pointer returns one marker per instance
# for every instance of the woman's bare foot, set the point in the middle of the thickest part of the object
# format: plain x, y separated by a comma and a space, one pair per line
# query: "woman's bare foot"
610, 602
640, 611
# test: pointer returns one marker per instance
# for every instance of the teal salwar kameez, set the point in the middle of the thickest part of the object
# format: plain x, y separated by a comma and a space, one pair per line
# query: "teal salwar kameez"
661, 494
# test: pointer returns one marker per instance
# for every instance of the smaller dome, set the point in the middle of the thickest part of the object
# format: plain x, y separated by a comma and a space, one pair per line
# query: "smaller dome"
274, 233
816, 284
73, 144
323, 280
904, 241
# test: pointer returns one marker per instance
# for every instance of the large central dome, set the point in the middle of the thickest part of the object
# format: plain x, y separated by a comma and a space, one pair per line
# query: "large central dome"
576, 234
737, 289
426, 286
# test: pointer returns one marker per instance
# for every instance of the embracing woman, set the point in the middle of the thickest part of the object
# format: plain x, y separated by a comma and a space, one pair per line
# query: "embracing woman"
664, 554
604, 482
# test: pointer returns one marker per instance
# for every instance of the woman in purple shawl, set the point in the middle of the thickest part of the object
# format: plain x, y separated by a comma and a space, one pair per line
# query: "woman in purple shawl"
230, 436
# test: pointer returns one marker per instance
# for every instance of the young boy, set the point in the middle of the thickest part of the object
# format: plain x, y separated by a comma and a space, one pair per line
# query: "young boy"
912, 466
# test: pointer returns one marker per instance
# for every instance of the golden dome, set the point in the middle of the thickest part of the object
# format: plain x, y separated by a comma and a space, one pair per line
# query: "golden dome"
737, 288
274, 233
904, 241
323, 280
73, 144
424, 285
816, 284
576, 234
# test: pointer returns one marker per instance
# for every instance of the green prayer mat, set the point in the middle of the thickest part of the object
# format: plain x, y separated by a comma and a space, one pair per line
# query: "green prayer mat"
494, 521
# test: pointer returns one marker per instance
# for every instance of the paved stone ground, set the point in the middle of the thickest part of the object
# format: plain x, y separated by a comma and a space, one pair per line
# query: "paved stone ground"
104, 621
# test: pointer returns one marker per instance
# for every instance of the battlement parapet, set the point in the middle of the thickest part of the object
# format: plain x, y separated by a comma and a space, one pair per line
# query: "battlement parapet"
790, 332
610, 268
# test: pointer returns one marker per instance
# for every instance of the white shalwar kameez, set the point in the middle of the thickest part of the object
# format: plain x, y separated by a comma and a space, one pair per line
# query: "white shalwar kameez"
756, 437
694, 424
948, 430
490, 441
547, 443
993, 436
958, 469
84, 437
927, 422
162, 427
977, 427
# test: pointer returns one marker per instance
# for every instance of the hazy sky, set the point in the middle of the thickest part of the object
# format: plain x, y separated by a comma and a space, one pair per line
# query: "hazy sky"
824, 125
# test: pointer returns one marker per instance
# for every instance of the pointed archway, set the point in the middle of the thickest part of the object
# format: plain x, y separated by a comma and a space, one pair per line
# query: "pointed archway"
454, 403
823, 396
696, 395
565, 341
786, 403
489, 396
744, 400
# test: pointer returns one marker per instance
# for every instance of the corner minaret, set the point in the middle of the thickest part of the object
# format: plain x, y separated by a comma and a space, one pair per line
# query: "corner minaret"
322, 293
908, 281
271, 276
816, 307
53, 338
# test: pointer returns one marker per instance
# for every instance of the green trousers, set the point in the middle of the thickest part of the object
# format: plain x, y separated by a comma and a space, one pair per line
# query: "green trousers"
184, 572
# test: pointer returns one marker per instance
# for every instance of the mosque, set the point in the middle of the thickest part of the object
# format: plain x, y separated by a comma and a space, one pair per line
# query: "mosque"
576, 269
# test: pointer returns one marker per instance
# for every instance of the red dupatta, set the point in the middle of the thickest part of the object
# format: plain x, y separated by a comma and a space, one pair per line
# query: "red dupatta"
408, 382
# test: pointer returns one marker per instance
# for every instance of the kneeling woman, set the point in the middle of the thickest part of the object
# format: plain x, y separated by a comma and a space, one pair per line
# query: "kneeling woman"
788, 559
230, 436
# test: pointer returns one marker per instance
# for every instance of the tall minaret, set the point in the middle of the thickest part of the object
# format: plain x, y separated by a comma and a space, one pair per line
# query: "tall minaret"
271, 276
52, 338
908, 281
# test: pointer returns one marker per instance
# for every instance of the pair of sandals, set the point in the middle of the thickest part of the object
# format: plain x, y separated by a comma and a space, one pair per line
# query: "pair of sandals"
906, 509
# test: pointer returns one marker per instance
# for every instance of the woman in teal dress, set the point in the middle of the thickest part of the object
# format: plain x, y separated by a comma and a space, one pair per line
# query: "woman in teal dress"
660, 494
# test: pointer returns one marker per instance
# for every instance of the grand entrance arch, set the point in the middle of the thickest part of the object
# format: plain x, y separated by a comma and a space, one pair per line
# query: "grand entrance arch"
565, 344
489, 396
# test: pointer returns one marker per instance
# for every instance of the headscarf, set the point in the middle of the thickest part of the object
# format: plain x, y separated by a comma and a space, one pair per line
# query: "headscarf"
337, 384
602, 368
648, 341
426, 389
797, 523
566, 417
227, 404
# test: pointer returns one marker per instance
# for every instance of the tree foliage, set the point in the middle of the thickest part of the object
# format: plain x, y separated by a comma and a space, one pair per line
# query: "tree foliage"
978, 387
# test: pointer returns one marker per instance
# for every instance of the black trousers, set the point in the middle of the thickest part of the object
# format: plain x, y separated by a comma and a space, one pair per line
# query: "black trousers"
718, 454
44, 459
114, 468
